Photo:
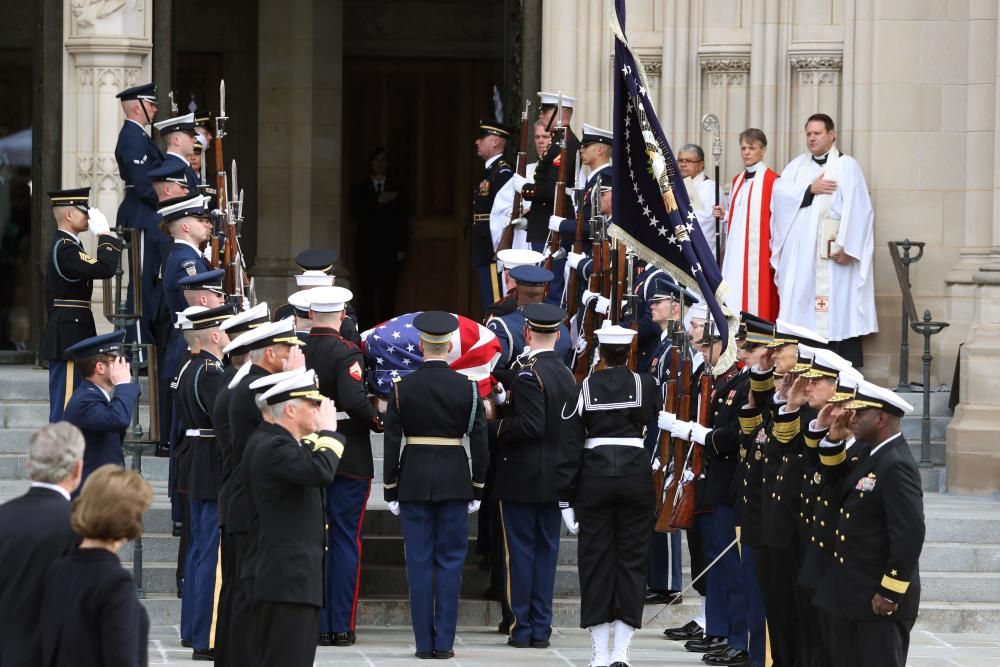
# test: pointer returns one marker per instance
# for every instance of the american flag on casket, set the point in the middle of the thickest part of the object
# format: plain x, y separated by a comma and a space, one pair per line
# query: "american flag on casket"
392, 349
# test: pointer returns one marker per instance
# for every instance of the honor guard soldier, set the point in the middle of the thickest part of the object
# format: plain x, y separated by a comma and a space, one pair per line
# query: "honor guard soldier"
872, 589
284, 477
137, 155
340, 369
532, 284
317, 271
69, 283
170, 181
104, 402
507, 261
270, 348
490, 145
606, 493
524, 482
196, 393
180, 138
433, 408
300, 311
595, 154
238, 357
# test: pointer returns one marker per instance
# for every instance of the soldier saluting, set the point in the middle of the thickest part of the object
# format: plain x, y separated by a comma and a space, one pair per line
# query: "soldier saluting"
431, 485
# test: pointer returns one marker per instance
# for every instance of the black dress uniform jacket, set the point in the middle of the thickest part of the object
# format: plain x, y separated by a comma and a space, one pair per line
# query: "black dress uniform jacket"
882, 522
69, 282
244, 418
542, 192
480, 239
435, 401
224, 438
286, 478
722, 443
598, 411
91, 614
340, 369
528, 433
196, 394
27, 549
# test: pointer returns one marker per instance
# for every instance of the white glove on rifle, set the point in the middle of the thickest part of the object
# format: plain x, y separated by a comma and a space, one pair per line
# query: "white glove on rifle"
699, 433
574, 259
474, 506
98, 224
656, 464
393, 507
519, 224
603, 305
665, 420
581, 345
688, 476
207, 252
554, 222
569, 518
499, 394
681, 429
519, 182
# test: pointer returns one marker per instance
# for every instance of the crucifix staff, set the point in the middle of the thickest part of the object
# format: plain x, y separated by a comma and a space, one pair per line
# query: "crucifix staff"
710, 123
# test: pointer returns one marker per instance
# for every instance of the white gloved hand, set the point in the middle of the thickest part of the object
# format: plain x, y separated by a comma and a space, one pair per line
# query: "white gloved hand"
207, 252
688, 476
574, 259
588, 296
393, 507
519, 224
519, 182
554, 222
699, 433
665, 420
569, 518
98, 224
474, 506
603, 306
581, 345
499, 394
681, 429
656, 464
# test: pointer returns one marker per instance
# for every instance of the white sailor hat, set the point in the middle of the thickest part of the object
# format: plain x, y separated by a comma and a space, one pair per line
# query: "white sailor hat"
847, 385
282, 331
247, 320
595, 135
552, 99
698, 311
826, 364
511, 258
300, 302
873, 396
614, 334
330, 299
301, 385
183, 323
260, 385
314, 279
786, 333
183, 123
190, 206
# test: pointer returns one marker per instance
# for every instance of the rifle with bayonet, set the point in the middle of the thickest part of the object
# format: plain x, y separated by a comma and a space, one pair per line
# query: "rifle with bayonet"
572, 286
559, 202
517, 210
600, 266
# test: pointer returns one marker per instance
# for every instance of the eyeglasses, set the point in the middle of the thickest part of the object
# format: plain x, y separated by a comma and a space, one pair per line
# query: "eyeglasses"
686, 161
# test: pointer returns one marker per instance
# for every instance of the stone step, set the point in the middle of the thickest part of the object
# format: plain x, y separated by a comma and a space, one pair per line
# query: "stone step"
939, 402
389, 550
959, 557
968, 530
156, 548
157, 576
913, 428
960, 586
33, 414
389, 580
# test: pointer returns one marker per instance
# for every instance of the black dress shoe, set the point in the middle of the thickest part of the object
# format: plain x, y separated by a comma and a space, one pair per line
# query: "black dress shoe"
444, 655
344, 638
206, 654
685, 633
706, 644
619, 663
503, 628
733, 657
662, 597
425, 655
177, 529
539, 643
186, 643
325, 639
515, 644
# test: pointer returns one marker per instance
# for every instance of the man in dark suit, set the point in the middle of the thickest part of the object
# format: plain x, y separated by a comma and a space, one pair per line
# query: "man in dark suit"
285, 482
432, 488
379, 208
137, 155
69, 282
34, 532
524, 482
103, 404
872, 589
179, 136
490, 145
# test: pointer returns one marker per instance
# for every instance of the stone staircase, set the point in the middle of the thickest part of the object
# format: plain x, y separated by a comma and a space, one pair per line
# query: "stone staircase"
960, 564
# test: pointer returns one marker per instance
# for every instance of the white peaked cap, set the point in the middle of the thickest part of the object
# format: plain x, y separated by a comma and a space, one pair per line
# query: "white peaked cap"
515, 257
313, 279
553, 98
186, 119
330, 299
257, 312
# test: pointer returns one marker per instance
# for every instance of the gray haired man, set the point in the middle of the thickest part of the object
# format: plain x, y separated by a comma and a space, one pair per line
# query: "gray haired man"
34, 532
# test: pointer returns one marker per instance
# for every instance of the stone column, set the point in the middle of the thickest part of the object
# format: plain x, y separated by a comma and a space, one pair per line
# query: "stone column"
725, 92
299, 124
108, 47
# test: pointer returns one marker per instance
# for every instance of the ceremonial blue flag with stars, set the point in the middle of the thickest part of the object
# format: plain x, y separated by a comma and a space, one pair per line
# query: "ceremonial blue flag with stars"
651, 212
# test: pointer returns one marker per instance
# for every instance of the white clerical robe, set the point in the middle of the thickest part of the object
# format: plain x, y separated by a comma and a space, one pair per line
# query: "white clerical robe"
503, 203
701, 192
746, 265
835, 300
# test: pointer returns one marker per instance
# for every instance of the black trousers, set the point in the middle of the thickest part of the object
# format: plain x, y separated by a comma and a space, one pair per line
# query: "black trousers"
776, 574
241, 642
616, 519
288, 634
230, 580
850, 349
880, 642
696, 551
182, 545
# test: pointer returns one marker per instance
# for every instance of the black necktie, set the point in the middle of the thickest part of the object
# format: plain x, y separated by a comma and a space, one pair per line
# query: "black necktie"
378, 187
747, 175
820, 160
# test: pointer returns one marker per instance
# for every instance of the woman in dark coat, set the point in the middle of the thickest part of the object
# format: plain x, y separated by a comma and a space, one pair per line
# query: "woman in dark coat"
91, 614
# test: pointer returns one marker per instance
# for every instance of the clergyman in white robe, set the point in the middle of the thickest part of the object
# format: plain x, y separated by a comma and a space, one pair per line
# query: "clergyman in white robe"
835, 300
701, 192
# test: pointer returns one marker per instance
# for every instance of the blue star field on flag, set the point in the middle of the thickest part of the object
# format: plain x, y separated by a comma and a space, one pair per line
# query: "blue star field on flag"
392, 350
651, 212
